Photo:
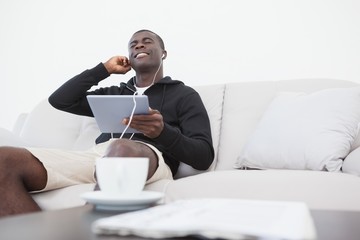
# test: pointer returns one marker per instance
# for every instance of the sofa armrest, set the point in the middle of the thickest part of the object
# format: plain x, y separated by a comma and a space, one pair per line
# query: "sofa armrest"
8, 138
18, 126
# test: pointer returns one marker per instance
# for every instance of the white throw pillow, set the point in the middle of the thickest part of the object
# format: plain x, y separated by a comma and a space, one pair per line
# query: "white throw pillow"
305, 131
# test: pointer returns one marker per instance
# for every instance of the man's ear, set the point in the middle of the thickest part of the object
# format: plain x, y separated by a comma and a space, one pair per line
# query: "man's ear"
164, 55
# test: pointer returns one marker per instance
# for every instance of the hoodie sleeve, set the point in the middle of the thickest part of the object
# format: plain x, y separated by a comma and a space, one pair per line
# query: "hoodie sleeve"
191, 142
71, 96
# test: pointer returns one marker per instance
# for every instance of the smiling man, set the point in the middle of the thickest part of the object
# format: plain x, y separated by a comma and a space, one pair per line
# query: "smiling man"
177, 129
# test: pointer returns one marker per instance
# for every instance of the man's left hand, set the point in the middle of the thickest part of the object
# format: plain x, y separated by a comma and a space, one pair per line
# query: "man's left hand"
151, 125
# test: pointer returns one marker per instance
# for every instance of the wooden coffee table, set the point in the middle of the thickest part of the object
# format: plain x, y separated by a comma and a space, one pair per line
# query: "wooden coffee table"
75, 223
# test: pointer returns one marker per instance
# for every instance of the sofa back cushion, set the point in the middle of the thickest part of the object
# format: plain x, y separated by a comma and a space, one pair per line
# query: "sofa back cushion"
46, 126
244, 105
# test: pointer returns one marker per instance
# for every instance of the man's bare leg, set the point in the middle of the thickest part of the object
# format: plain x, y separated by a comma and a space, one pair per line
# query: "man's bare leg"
20, 172
129, 148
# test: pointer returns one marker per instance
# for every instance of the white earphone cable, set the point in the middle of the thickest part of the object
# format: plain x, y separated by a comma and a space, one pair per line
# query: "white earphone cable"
134, 100
131, 117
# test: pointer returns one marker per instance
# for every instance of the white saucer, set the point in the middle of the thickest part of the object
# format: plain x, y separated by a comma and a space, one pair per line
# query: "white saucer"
104, 201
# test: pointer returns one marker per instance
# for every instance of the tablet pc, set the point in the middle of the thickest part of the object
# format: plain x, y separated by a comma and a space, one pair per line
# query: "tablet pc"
110, 110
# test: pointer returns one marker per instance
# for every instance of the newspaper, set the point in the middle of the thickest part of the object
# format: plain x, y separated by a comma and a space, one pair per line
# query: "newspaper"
214, 218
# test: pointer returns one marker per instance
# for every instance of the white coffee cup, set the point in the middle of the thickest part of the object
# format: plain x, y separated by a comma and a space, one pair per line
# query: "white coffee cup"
125, 176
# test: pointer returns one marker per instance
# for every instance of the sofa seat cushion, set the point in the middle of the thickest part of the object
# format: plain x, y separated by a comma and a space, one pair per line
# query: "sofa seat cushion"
63, 197
319, 190
71, 196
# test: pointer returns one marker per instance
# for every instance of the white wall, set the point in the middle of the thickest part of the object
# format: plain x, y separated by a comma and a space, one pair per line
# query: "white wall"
43, 43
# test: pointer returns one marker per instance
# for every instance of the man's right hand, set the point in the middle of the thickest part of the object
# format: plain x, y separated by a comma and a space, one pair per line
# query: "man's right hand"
118, 65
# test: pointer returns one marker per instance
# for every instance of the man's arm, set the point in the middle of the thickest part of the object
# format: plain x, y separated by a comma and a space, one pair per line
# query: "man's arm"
192, 143
71, 96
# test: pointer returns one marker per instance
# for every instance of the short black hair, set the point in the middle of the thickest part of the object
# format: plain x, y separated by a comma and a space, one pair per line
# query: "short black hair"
162, 45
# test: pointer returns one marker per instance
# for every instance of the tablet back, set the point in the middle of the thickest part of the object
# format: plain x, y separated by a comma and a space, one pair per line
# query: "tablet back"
110, 110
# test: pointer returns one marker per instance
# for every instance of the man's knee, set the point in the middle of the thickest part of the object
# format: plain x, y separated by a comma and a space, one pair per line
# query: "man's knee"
122, 148
10, 164
129, 148
18, 164
9, 158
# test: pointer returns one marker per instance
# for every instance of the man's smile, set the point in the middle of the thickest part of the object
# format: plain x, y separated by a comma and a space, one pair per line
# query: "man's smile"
141, 55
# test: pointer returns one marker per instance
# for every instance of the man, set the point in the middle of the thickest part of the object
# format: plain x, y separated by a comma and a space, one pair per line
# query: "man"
176, 129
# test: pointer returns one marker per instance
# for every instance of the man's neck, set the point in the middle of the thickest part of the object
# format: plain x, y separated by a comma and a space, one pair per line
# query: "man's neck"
147, 79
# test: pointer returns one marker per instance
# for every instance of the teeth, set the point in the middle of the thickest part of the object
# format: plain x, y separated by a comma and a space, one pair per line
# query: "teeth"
141, 55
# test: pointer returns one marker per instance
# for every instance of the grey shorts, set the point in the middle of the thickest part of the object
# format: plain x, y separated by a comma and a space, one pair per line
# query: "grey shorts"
65, 167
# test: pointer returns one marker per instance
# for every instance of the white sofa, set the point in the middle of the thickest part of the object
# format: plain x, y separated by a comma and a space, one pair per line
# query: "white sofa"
235, 110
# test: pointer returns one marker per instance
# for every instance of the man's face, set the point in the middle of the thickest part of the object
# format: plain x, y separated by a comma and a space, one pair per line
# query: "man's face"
144, 51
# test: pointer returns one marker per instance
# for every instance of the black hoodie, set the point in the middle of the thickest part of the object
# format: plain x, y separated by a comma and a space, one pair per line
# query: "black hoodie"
186, 136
